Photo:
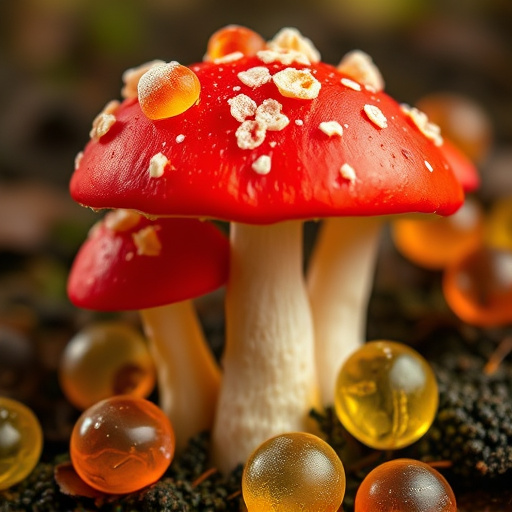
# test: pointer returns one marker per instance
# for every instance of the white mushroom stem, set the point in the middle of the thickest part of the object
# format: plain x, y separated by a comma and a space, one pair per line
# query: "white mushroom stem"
339, 281
269, 384
188, 376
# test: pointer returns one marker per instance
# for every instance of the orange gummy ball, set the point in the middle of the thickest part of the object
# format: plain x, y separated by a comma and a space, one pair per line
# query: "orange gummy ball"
434, 243
167, 90
233, 39
478, 287
122, 444
405, 485
293, 471
103, 360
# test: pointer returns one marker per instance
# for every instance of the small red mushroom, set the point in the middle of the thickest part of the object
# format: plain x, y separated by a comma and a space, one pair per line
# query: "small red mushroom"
274, 137
132, 263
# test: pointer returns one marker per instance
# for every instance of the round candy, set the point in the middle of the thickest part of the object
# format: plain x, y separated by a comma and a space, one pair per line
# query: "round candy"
122, 444
293, 471
103, 360
386, 395
232, 39
21, 442
434, 243
405, 485
478, 287
168, 90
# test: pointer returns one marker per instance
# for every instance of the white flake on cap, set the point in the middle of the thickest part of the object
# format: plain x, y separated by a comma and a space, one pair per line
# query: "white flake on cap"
157, 165
152, 79
420, 119
242, 107
180, 138
255, 77
78, 159
428, 165
269, 114
289, 38
262, 165
297, 83
299, 122
331, 128
250, 135
121, 219
359, 66
104, 121
286, 58
147, 242
376, 116
351, 84
132, 76
230, 57
348, 172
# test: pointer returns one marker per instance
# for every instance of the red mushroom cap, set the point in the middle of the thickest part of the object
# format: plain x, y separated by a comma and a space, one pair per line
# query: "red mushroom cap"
298, 171
463, 168
146, 263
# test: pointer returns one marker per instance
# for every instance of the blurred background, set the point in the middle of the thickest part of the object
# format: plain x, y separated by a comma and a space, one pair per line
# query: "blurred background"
61, 61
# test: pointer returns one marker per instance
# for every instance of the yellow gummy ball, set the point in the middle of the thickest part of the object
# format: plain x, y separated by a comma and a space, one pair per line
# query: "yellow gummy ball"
386, 395
291, 472
21, 442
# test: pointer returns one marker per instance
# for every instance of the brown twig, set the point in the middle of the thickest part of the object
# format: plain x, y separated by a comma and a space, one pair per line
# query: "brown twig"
201, 478
500, 353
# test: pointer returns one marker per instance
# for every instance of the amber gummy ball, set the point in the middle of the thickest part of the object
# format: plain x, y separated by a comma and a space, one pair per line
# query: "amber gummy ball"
232, 39
168, 90
386, 395
291, 472
122, 444
434, 243
478, 287
21, 442
405, 485
103, 360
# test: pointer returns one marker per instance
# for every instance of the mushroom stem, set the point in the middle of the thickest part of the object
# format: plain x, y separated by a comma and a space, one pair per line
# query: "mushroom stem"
269, 384
188, 376
339, 281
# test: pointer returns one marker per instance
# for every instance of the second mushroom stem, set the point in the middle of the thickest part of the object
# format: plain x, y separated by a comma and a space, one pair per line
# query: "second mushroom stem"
339, 280
269, 383
188, 376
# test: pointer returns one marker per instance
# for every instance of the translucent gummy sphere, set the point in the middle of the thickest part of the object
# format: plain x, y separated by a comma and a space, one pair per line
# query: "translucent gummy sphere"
106, 359
292, 472
21, 442
122, 444
405, 485
386, 395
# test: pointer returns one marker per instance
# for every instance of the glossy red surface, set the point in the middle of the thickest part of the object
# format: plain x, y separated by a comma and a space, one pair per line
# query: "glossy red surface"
210, 176
109, 274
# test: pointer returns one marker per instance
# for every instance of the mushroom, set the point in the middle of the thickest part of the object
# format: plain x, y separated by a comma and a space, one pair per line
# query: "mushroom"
275, 137
342, 264
132, 263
